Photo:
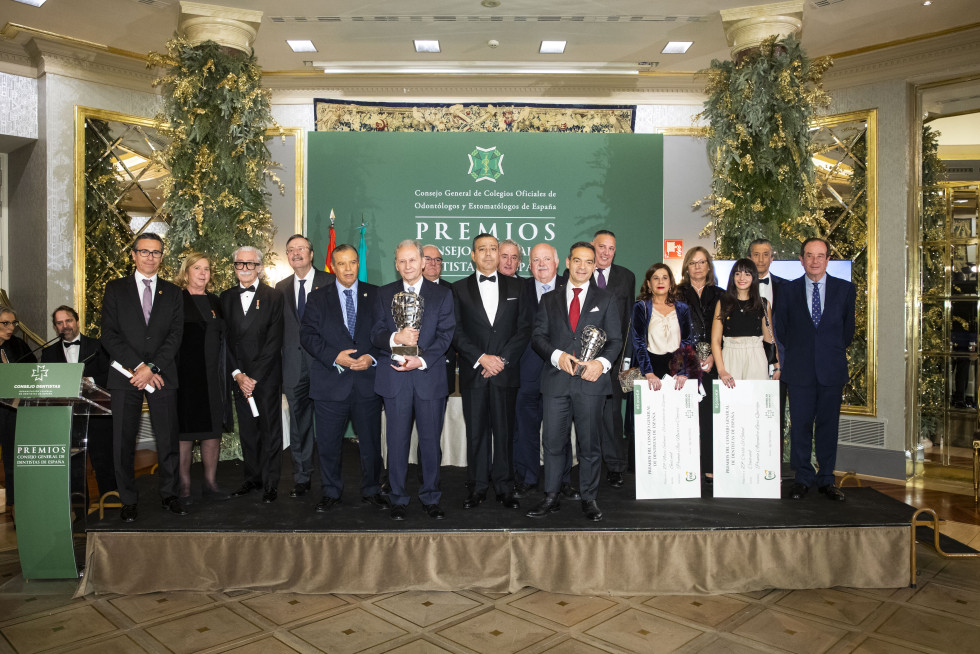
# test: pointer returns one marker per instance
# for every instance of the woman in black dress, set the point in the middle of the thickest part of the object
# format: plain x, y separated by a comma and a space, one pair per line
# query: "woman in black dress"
202, 382
699, 290
12, 350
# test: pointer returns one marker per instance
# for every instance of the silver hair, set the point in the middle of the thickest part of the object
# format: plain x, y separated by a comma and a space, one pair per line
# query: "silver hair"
409, 242
510, 241
430, 245
6, 309
257, 252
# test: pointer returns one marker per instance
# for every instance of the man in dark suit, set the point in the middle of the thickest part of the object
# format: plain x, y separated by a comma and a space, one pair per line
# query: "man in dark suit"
75, 347
253, 311
509, 253
408, 384
558, 328
295, 360
493, 326
142, 324
814, 321
621, 282
336, 331
432, 270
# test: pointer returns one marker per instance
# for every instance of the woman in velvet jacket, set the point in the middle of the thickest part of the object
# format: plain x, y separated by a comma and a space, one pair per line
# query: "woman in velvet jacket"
662, 333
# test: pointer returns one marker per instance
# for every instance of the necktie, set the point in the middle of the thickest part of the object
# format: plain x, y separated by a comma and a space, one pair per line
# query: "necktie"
349, 308
147, 300
492, 279
575, 310
601, 282
411, 289
70, 343
764, 281
815, 312
301, 302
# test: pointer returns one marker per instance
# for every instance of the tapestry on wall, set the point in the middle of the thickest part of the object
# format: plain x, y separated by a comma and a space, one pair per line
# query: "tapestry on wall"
346, 116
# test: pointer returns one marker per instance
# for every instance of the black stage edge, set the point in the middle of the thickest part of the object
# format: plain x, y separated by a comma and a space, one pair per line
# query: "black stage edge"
784, 543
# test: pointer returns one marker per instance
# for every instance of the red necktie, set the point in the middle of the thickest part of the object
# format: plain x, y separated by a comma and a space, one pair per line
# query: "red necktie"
575, 309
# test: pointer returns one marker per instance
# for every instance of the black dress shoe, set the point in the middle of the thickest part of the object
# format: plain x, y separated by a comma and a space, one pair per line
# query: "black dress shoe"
299, 490
475, 499
832, 492
509, 500
377, 500
797, 491
173, 505
569, 492
129, 513
326, 503
615, 479
591, 510
398, 512
522, 490
270, 495
218, 494
186, 500
549, 504
246, 488
434, 511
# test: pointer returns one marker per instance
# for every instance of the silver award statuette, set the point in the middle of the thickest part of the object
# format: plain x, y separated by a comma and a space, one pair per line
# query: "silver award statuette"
593, 339
406, 310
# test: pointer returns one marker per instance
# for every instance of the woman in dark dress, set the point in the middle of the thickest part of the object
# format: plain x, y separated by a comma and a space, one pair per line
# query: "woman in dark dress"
12, 350
202, 382
699, 290
661, 329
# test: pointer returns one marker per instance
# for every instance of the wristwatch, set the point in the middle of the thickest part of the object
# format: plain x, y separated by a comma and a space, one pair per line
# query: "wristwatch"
154, 368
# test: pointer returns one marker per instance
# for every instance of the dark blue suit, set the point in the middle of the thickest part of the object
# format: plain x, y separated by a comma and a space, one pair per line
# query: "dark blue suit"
421, 391
341, 395
815, 369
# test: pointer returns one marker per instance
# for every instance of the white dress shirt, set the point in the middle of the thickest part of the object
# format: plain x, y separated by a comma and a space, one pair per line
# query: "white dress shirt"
247, 296
71, 353
765, 290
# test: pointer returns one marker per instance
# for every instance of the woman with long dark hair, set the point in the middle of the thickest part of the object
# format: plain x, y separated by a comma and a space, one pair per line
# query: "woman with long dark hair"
742, 321
662, 330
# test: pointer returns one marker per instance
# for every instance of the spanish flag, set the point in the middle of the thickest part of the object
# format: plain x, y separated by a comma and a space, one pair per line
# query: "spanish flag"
333, 243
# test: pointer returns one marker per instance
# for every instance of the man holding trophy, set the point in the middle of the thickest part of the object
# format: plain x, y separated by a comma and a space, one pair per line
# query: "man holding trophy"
413, 327
578, 331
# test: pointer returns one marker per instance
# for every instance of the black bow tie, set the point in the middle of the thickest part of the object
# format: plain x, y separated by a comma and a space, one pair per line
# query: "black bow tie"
764, 281
250, 289
492, 278
70, 343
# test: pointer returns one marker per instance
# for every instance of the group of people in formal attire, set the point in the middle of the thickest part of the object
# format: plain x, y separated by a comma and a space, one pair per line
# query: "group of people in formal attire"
333, 345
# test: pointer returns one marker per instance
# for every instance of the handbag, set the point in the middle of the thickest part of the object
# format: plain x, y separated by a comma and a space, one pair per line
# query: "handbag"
772, 355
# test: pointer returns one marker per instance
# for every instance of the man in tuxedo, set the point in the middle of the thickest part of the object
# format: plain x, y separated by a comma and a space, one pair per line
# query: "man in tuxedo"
527, 428
253, 311
760, 251
493, 326
408, 384
142, 324
295, 360
574, 389
432, 270
75, 347
336, 331
621, 283
814, 321
510, 258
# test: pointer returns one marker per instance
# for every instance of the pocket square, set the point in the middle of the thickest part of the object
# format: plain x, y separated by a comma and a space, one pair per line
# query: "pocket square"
593, 309
511, 298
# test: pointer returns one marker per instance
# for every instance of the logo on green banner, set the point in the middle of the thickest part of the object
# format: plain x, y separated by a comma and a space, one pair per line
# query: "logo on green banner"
637, 398
486, 164
715, 399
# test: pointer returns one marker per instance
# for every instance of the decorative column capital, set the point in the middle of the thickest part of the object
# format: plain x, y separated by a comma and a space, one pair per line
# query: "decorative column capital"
227, 26
748, 27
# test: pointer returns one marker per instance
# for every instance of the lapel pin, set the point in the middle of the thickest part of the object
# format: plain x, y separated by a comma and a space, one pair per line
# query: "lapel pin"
160, 292
213, 314
256, 305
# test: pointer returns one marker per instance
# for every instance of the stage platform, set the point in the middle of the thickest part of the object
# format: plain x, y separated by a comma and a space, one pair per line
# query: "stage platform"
649, 546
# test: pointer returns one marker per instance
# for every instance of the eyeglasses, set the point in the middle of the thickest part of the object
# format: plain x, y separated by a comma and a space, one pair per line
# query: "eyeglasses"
246, 265
156, 254
702, 262
8, 323
436, 259
297, 250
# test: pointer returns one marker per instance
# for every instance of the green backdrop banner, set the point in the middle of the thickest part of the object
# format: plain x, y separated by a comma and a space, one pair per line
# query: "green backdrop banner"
445, 189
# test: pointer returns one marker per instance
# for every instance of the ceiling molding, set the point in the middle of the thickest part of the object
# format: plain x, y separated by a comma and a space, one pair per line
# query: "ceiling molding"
92, 65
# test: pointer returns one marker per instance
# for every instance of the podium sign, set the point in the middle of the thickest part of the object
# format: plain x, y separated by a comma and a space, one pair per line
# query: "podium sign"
667, 449
746, 439
42, 453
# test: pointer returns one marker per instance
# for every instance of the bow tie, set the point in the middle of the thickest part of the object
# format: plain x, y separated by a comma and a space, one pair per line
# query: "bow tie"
764, 281
70, 343
250, 289
492, 279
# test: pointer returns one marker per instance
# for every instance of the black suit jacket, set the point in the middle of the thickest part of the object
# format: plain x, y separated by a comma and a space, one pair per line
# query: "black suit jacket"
293, 353
254, 340
128, 339
90, 351
531, 363
552, 331
324, 335
452, 357
621, 282
506, 337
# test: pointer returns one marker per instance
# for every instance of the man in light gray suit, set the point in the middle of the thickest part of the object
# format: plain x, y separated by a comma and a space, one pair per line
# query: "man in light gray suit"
295, 360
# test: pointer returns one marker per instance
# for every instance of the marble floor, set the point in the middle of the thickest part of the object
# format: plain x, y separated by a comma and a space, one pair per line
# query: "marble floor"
941, 615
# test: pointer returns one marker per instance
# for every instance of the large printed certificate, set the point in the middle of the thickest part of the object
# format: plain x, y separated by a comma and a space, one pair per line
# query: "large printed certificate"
668, 458
746, 439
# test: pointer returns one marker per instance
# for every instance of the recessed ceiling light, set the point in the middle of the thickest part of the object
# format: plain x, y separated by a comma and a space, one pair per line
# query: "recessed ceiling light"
421, 45
33, 3
552, 47
676, 47
301, 46
926, 3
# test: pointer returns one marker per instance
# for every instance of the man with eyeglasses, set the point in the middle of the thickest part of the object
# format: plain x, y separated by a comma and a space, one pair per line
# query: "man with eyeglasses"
295, 290
253, 311
142, 325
